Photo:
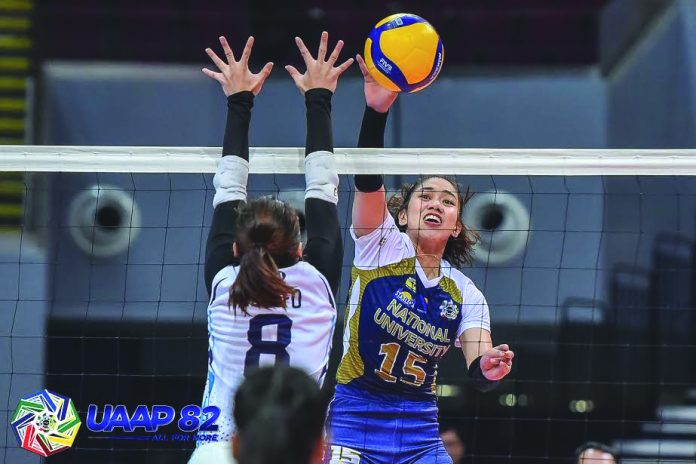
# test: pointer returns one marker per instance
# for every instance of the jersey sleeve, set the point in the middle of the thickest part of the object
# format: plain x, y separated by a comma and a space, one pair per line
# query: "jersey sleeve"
474, 311
384, 245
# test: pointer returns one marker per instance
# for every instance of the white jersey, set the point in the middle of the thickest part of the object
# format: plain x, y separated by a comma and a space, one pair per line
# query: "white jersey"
299, 335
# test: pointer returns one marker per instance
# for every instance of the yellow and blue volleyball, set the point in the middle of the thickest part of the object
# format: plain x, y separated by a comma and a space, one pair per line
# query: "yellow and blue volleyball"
404, 53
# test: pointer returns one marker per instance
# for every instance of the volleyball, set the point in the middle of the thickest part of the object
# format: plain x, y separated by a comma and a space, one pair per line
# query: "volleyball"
404, 53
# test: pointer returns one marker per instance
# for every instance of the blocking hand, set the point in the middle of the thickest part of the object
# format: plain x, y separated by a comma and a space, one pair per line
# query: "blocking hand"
235, 76
321, 72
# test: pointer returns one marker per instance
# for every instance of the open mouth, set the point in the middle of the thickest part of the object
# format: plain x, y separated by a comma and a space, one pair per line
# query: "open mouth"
432, 219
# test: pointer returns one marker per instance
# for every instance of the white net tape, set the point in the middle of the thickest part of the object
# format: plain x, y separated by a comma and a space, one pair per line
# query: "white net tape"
474, 161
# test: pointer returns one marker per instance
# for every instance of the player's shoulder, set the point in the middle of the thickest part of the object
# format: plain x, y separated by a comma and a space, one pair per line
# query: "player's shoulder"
227, 273
383, 246
462, 281
305, 273
453, 273
303, 269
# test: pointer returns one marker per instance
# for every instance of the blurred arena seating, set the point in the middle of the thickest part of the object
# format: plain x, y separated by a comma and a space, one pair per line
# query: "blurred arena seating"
475, 32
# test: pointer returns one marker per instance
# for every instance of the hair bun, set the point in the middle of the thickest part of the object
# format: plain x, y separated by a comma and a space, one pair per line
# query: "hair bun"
261, 233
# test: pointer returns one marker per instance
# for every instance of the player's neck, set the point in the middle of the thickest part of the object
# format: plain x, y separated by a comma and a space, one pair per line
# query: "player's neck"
429, 255
430, 263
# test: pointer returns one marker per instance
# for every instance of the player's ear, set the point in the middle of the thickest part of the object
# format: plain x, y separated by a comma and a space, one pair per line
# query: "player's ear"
235, 249
235, 447
402, 216
458, 229
298, 253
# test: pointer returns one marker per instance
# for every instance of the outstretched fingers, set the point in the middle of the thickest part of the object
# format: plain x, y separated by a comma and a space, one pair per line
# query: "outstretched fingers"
216, 59
362, 65
214, 75
323, 46
304, 52
227, 49
336, 51
345, 65
247, 51
294, 73
264, 73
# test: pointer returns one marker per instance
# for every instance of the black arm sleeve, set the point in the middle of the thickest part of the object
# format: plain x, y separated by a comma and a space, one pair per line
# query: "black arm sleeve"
480, 382
319, 133
371, 136
324, 245
236, 141
218, 250
324, 248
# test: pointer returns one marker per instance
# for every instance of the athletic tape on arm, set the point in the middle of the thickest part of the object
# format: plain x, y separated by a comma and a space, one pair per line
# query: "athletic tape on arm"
321, 177
230, 180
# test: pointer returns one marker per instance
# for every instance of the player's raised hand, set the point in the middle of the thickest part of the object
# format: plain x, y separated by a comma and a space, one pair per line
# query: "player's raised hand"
321, 72
496, 362
235, 76
377, 97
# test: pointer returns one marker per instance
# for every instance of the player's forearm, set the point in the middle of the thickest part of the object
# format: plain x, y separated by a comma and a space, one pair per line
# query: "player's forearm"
369, 204
223, 232
319, 131
478, 379
236, 141
371, 136
475, 342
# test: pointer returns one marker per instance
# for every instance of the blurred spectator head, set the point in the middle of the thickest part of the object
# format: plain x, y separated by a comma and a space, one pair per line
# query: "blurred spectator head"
594, 452
279, 412
453, 441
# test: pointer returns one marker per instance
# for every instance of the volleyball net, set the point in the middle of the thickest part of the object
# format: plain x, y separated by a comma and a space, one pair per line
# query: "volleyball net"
586, 258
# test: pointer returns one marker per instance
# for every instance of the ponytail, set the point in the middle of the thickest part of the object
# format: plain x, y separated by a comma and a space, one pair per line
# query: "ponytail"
259, 283
267, 228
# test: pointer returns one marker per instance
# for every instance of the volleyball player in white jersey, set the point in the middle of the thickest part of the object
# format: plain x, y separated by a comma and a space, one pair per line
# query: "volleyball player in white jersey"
270, 300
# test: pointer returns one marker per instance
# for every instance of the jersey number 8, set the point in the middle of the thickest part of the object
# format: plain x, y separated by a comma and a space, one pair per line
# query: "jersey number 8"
259, 346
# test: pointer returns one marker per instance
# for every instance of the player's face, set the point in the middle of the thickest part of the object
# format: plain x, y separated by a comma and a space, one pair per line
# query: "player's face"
432, 215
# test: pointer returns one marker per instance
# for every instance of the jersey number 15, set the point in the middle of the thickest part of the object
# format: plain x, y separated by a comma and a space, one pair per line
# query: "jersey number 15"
415, 373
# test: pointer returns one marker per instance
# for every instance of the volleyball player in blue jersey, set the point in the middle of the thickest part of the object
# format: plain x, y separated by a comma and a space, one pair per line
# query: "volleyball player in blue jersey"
408, 304
271, 302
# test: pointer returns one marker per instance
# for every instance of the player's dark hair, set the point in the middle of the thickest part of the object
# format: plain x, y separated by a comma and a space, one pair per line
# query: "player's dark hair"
279, 413
268, 232
595, 445
459, 249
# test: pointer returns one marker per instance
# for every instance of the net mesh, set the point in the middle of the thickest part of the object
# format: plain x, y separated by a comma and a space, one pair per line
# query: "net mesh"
588, 278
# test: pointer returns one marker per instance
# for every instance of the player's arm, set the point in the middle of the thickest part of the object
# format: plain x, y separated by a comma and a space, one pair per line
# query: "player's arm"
324, 245
370, 205
487, 364
240, 86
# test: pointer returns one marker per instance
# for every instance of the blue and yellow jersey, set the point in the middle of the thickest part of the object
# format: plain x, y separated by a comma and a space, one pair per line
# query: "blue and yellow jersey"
399, 323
